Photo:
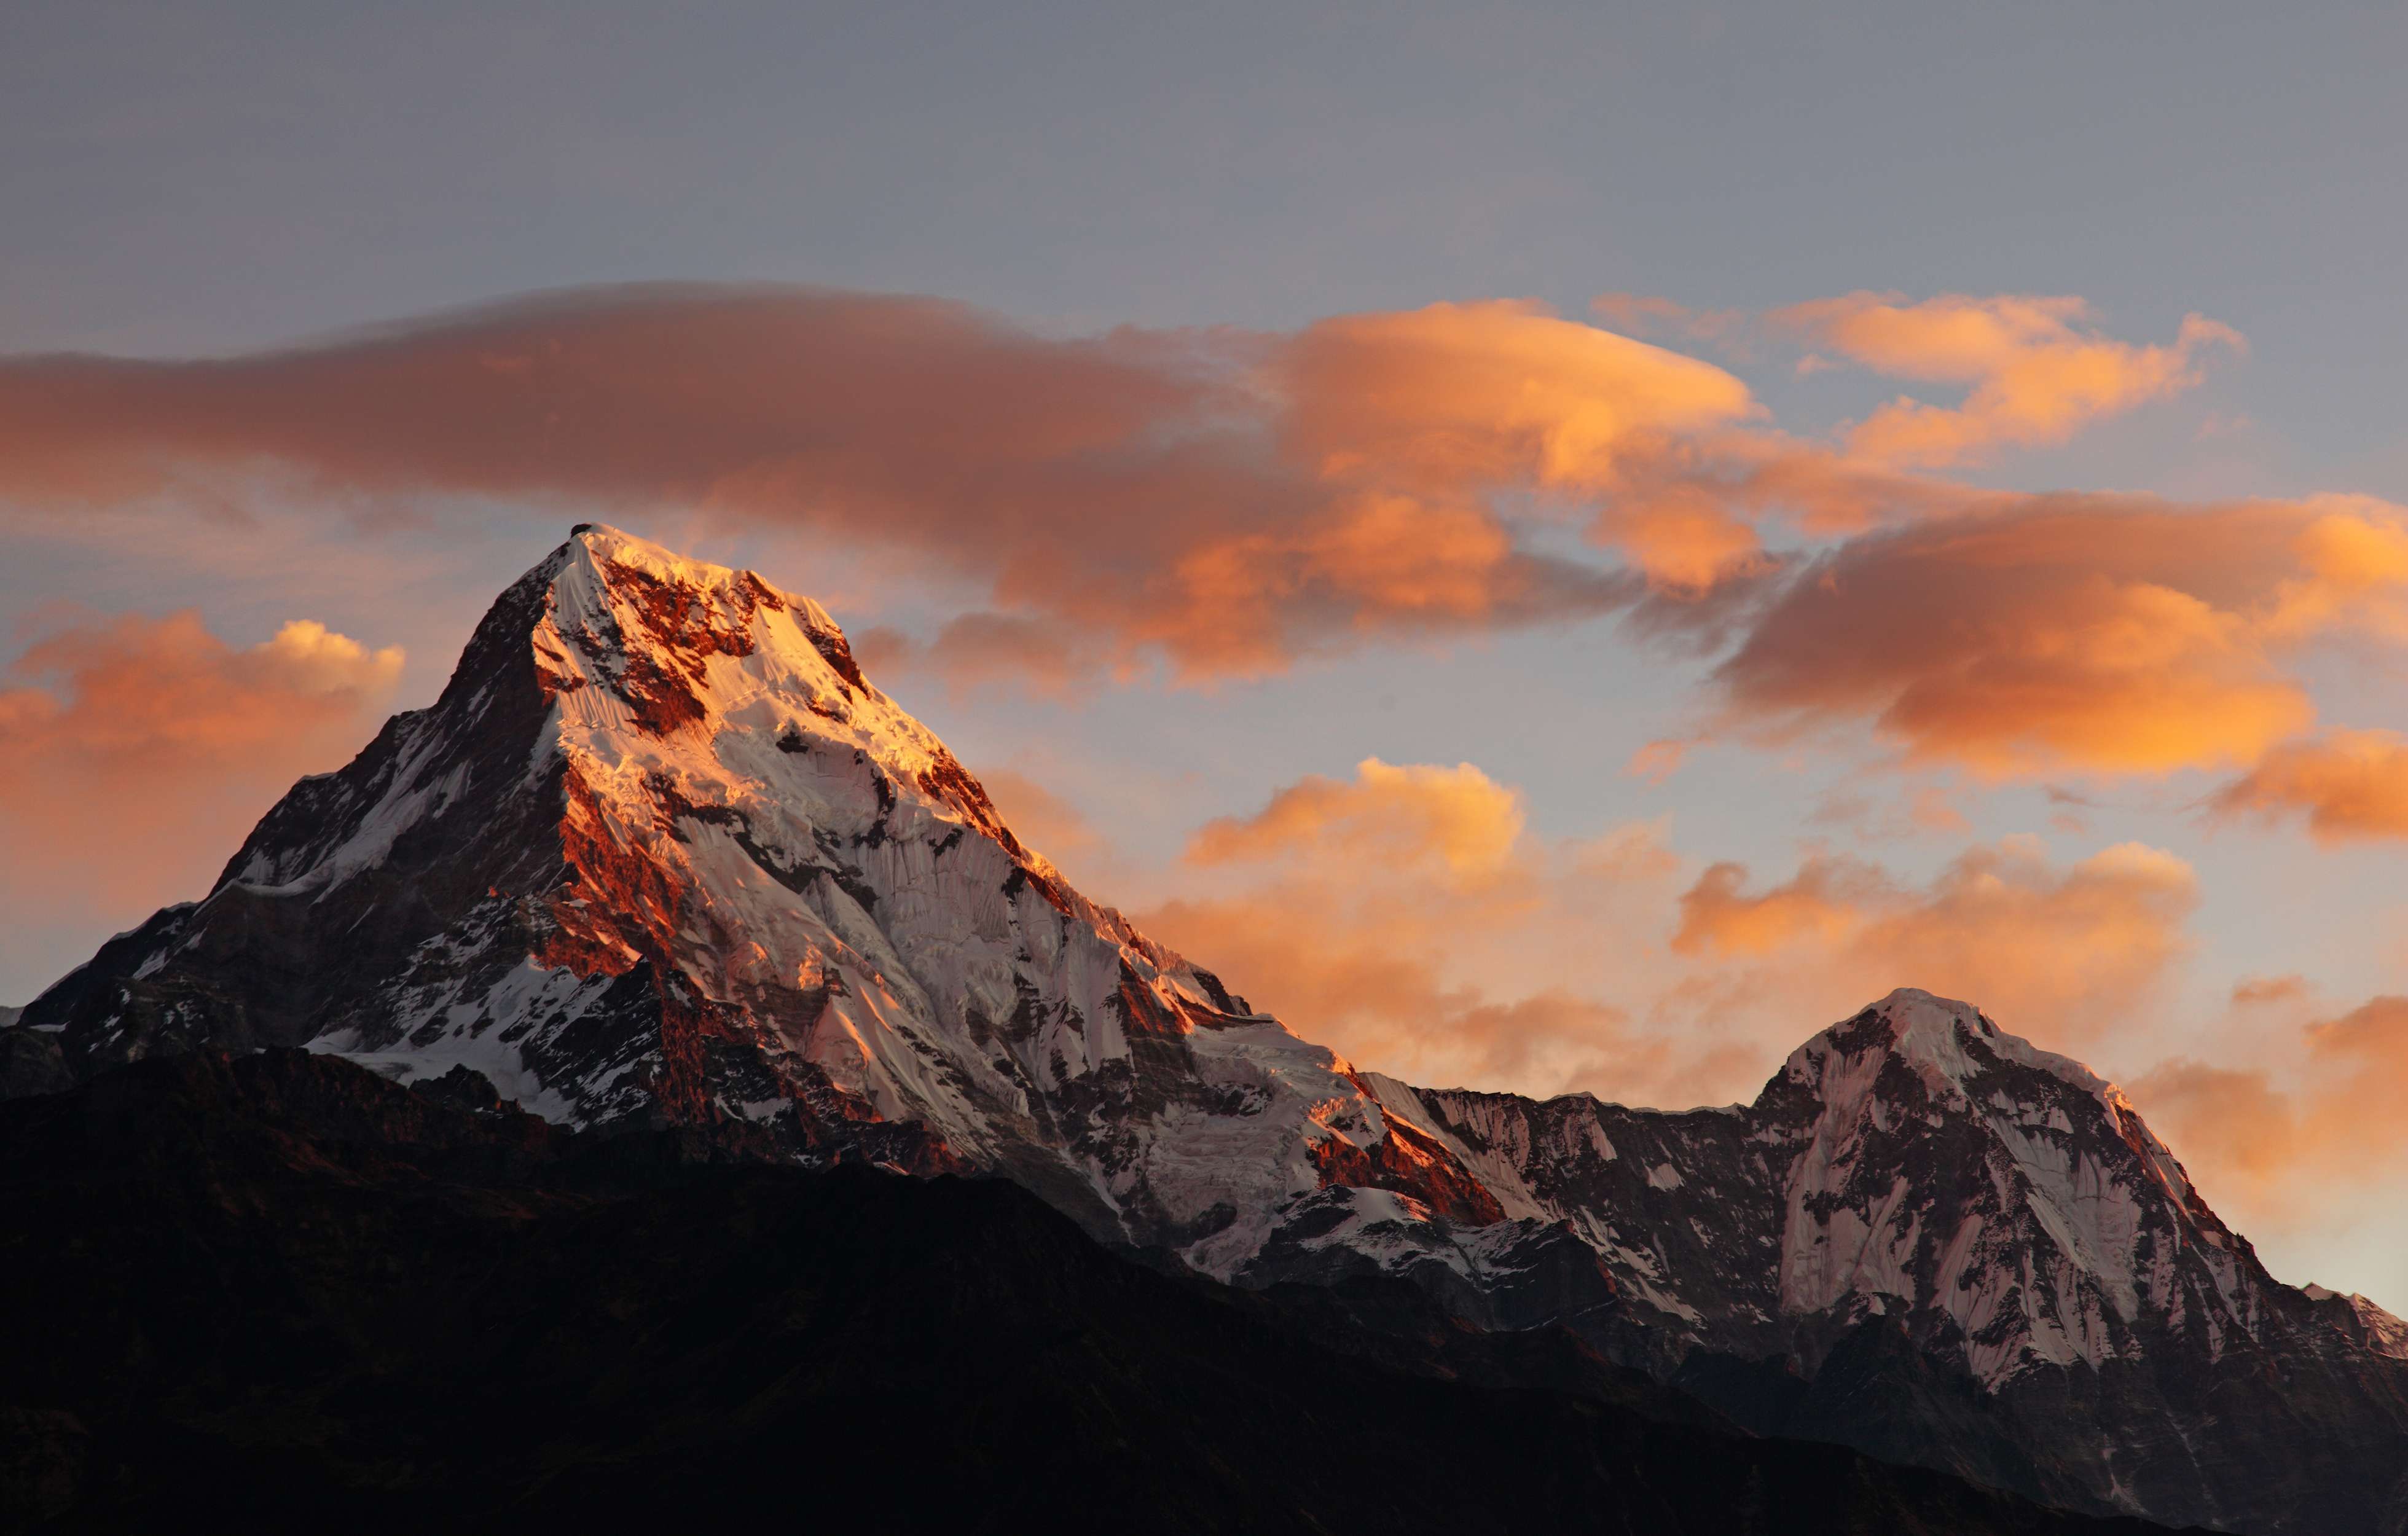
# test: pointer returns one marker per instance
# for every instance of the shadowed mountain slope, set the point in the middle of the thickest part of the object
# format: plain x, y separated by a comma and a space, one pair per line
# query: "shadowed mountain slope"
278, 1292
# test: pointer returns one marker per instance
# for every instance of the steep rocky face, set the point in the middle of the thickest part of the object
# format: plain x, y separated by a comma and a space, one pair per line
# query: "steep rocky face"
661, 851
1922, 1213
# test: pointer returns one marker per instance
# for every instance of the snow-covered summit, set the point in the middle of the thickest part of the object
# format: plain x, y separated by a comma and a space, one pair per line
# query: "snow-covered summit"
1962, 1057
1913, 1160
1945, 1039
662, 850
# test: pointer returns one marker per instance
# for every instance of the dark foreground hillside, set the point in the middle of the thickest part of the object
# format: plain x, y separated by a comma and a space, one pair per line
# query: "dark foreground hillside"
278, 1292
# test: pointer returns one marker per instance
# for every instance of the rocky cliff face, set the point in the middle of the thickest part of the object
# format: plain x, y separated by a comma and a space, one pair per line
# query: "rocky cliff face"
661, 854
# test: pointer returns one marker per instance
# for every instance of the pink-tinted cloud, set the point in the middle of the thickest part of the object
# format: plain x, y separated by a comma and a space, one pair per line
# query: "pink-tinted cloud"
2261, 991
2288, 1151
2239, 1135
1221, 503
2349, 785
1457, 821
135, 753
2061, 953
2036, 375
2105, 636
1221, 500
1406, 917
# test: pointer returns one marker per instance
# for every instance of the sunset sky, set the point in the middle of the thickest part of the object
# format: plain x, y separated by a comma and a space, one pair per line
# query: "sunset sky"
1556, 548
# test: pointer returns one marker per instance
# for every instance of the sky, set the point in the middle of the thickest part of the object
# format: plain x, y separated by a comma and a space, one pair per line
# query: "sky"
1557, 547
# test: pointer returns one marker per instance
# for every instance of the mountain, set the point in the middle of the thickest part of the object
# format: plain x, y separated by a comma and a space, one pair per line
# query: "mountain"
276, 1292
661, 851
1929, 1239
660, 855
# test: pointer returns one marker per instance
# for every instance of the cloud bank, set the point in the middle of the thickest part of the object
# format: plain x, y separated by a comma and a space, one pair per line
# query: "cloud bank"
1225, 501
1409, 917
127, 747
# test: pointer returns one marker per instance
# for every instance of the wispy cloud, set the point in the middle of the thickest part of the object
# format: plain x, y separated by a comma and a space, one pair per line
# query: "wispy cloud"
2035, 374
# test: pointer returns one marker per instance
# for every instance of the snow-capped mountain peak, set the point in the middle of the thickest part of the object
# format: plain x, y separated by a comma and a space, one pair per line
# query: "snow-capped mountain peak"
661, 850
1943, 1041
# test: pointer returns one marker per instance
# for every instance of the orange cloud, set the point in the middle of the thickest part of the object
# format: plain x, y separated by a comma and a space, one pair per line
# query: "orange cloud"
2353, 575
2352, 786
135, 753
2099, 635
2063, 952
1222, 501
2239, 1131
1448, 402
1221, 504
1457, 820
1495, 394
1247, 604
2375, 1034
1407, 918
2036, 378
1685, 539
2258, 991
1819, 902
1386, 1007
2335, 1131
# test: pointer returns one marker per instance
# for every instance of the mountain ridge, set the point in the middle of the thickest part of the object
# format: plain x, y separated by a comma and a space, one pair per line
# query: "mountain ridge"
661, 854
278, 1292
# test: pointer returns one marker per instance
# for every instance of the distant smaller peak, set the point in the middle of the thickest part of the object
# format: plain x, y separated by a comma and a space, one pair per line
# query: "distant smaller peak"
1931, 1033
